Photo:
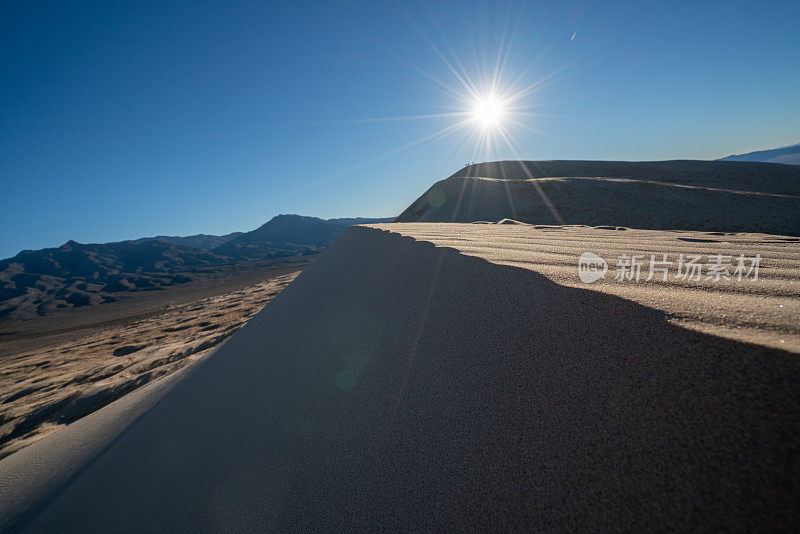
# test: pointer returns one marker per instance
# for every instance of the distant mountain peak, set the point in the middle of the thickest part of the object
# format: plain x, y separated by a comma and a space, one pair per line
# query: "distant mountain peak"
295, 216
36, 282
205, 242
287, 234
788, 155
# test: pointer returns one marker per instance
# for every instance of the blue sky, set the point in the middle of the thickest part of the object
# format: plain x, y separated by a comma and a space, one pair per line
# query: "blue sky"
121, 120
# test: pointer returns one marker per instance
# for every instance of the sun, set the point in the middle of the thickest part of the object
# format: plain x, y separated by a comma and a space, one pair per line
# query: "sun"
488, 111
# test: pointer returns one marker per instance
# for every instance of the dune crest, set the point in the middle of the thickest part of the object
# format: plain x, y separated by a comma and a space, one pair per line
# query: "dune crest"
401, 382
676, 195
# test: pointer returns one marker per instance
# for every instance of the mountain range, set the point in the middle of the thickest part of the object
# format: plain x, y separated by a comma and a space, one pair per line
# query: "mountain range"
286, 235
789, 155
733, 194
37, 282
201, 241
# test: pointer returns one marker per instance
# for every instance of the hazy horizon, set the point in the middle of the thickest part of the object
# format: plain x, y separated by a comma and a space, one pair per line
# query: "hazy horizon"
129, 121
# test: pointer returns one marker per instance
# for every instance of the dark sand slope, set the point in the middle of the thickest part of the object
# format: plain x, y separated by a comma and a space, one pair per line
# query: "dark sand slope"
400, 385
698, 195
44, 389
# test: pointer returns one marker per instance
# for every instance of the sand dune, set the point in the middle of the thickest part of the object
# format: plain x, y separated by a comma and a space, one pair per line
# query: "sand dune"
696, 195
764, 311
431, 376
741, 176
45, 389
38, 283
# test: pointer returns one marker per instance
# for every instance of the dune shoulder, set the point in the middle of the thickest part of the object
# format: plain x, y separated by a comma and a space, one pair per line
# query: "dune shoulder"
761, 309
418, 376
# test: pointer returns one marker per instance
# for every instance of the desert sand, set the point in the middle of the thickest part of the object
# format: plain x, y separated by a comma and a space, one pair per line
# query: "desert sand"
430, 376
670, 195
765, 310
49, 387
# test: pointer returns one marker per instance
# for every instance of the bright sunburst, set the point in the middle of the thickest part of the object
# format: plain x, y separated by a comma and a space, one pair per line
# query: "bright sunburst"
489, 104
488, 112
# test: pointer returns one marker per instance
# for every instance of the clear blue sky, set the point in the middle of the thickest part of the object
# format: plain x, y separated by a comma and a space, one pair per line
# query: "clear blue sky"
120, 120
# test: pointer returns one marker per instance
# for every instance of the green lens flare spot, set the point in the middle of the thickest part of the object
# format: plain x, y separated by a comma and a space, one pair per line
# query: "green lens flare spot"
436, 198
346, 379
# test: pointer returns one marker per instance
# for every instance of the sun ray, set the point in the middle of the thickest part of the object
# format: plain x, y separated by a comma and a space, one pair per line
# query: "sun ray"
486, 109
430, 139
523, 72
454, 55
500, 54
525, 127
448, 115
453, 92
470, 89
539, 190
501, 65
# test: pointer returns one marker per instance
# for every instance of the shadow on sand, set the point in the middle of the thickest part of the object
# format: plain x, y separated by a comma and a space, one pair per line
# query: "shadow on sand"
399, 385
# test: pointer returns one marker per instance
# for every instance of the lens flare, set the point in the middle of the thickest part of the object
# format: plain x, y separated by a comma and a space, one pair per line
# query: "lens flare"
488, 112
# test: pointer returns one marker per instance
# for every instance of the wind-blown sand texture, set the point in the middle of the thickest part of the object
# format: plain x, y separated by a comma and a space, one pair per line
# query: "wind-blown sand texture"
698, 195
765, 310
46, 389
457, 376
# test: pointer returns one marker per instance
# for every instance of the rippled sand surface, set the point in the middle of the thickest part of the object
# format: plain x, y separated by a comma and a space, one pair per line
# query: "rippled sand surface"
48, 388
